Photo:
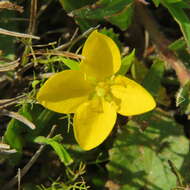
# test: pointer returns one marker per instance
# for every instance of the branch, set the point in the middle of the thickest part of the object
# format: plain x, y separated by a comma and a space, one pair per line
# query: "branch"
25, 169
17, 34
162, 43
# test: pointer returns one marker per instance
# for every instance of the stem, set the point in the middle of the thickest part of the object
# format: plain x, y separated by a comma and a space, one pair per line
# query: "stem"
26, 168
33, 16
161, 43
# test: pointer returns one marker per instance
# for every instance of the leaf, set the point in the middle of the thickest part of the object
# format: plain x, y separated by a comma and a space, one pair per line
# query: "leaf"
72, 64
58, 147
106, 9
183, 98
13, 133
152, 81
123, 18
85, 24
15, 129
162, 97
126, 63
18, 117
103, 9
176, 10
180, 3
139, 159
70, 5
177, 45
138, 70
173, 1
156, 2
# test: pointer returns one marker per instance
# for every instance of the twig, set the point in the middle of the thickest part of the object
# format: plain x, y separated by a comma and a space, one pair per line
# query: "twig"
17, 116
33, 16
73, 41
26, 168
59, 53
176, 173
25, 68
17, 34
9, 66
7, 152
19, 179
74, 34
5, 149
43, 8
162, 43
8, 102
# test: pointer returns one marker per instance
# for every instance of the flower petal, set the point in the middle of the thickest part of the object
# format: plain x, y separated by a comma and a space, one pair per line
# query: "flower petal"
101, 56
64, 91
93, 122
131, 98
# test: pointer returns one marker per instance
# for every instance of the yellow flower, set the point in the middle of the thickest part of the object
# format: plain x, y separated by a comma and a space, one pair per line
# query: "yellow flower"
94, 93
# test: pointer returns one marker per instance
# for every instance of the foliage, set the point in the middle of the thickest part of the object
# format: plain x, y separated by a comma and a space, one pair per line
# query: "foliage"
140, 158
148, 151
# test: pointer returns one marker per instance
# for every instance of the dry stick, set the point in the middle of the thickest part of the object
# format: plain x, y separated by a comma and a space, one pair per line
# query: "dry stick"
9, 66
17, 34
60, 53
11, 101
32, 27
23, 171
43, 8
19, 179
161, 42
18, 117
73, 41
33, 15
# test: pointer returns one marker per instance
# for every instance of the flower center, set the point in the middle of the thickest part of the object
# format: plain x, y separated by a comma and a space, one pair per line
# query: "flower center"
102, 92
102, 89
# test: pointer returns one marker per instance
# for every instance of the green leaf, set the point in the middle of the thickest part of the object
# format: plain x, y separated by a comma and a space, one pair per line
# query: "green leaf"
13, 134
85, 24
156, 2
183, 98
72, 64
118, 12
139, 159
126, 63
177, 45
138, 70
58, 147
15, 129
152, 81
176, 10
180, 48
180, 3
70, 5
173, 1
123, 18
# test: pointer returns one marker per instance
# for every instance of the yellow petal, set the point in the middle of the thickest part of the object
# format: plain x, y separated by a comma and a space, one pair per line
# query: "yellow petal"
131, 98
64, 91
101, 56
93, 123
